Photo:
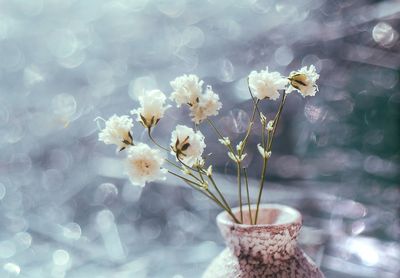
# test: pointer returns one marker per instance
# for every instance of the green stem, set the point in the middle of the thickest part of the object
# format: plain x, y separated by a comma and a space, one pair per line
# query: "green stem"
154, 141
251, 123
219, 192
239, 181
221, 136
248, 195
269, 145
197, 187
252, 96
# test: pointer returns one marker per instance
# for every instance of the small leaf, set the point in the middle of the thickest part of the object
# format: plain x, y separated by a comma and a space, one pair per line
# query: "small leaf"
121, 149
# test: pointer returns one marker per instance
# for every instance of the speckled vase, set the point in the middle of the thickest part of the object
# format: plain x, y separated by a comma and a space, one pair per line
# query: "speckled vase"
268, 249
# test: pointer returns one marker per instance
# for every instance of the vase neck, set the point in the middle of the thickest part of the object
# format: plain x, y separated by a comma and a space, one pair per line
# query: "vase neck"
275, 238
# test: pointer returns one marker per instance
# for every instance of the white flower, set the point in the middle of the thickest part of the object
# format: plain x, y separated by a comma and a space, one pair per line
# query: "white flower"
209, 171
208, 105
304, 81
266, 84
263, 152
239, 146
236, 157
187, 89
270, 125
152, 108
117, 131
225, 141
187, 145
143, 164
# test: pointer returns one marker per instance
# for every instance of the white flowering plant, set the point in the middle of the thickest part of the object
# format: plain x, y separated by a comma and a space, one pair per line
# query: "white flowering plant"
145, 164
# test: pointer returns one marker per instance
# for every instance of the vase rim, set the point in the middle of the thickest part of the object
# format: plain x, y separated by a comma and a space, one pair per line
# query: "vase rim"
294, 215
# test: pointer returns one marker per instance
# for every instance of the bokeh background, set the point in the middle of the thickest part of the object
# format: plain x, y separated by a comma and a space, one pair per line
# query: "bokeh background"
67, 210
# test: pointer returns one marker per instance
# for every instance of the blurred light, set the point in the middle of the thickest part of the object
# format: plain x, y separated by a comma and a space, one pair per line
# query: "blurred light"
193, 37
226, 70
106, 193
105, 220
365, 250
60, 257
3, 191
23, 240
32, 75
237, 121
11, 57
283, 55
12, 269
141, 84
171, 8
357, 227
150, 229
52, 179
62, 43
72, 231
7, 249
262, 6
314, 113
384, 34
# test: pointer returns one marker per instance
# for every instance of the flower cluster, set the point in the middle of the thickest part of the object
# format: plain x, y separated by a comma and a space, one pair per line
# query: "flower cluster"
152, 108
144, 163
187, 145
266, 84
188, 90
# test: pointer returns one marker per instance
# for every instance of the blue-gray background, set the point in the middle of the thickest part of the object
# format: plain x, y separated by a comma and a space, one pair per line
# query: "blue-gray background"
66, 210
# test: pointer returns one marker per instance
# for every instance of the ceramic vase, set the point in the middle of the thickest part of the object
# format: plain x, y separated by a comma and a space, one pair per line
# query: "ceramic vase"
268, 249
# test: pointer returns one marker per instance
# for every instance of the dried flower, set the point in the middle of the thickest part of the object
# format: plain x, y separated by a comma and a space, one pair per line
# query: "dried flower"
239, 146
264, 153
187, 89
185, 170
204, 185
187, 145
237, 158
199, 163
225, 141
208, 105
143, 164
263, 119
117, 132
209, 171
266, 84
270, 125
152, 108
304, 81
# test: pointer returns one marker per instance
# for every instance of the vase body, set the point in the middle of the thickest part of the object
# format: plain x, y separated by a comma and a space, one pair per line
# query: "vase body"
268, 249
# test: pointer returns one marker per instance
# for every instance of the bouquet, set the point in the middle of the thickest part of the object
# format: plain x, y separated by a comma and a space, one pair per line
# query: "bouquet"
144, 163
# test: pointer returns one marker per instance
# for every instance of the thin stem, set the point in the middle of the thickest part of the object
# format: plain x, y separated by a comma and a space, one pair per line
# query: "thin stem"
154, 141
219, 192
184, 164
239, 181
252, 96
197, 187
185, 179
250, 126
221, 136
248, 195
277, 117
269, 145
